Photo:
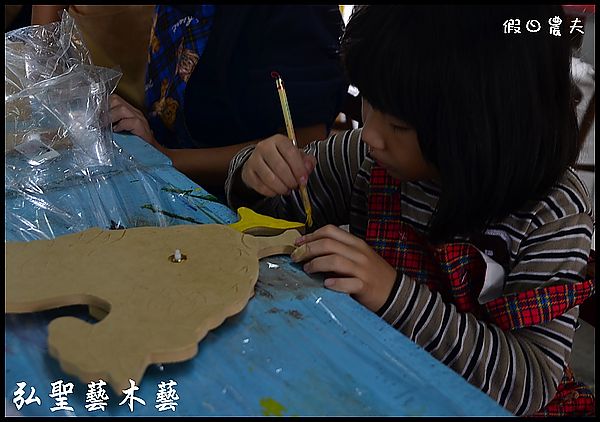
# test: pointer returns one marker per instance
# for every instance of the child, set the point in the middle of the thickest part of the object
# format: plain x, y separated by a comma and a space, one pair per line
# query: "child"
468, 136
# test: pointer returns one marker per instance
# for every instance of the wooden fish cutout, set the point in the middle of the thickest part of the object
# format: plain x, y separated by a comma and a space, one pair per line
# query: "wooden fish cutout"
153, 309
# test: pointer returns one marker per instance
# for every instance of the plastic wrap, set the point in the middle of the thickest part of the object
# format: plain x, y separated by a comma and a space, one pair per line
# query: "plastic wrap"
40, 52
141, 188
56, 101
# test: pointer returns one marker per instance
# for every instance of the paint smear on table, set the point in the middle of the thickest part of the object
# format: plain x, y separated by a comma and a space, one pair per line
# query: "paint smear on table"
170, 214
271, 407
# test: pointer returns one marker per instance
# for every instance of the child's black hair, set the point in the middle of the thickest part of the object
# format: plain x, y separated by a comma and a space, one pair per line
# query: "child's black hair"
494, 112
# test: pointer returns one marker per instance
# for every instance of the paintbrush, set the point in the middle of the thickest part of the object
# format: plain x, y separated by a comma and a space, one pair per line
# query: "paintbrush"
290, 131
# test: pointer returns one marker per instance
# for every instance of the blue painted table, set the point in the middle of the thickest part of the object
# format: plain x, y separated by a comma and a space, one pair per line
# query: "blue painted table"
296, 349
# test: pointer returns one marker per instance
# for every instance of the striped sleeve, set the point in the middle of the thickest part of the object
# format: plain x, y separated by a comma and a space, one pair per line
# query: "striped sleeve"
233, 177
329, 186
555, 252
558, 246
520, 369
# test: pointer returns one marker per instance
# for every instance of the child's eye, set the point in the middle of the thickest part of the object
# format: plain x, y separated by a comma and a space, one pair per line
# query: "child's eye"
399, 128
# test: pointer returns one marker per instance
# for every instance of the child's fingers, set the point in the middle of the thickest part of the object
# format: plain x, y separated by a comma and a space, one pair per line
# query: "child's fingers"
267, 151
120, 108
276, 167
280, 167
331, 263
117, 102
350, 285
325, 246
268, 178
295, 161
252, 181
119, 112
126, 124
332, 232
114, 100
134, 126
265, 190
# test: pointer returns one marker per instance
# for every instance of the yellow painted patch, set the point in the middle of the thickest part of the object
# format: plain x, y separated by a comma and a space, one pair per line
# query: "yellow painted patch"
253, 223
271, 407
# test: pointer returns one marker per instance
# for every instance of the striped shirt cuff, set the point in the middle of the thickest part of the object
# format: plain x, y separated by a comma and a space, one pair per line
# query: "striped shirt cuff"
390, 300
235, 167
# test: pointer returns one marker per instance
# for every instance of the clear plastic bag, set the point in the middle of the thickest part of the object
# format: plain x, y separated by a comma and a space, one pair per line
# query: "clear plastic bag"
56, 101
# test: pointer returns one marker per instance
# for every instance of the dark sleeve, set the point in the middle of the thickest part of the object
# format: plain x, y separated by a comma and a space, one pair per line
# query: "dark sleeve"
231, 97
303, 47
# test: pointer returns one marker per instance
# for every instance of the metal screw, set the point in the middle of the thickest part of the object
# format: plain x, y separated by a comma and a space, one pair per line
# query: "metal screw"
177, 257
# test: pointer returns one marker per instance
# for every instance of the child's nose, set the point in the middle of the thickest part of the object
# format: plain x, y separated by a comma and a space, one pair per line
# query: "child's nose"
371, 137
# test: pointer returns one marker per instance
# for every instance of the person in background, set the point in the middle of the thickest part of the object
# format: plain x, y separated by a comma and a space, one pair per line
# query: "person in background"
116, 36
209, 90
469, 230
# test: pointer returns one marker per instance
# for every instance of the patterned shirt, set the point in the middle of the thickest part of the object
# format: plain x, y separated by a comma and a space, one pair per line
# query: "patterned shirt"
545, 242
209, 80
177, 41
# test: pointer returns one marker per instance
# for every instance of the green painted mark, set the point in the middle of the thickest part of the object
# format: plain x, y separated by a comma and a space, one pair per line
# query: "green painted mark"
206, 197
170, 214
188, 192
271, 407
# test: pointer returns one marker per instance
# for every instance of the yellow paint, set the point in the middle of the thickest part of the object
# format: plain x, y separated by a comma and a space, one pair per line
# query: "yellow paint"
271, 407
253, 223
307, 206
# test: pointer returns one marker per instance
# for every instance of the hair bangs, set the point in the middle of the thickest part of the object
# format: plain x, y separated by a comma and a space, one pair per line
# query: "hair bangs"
394, 73
493, 111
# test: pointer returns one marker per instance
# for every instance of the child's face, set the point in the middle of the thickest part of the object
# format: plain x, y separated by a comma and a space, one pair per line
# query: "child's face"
393, 144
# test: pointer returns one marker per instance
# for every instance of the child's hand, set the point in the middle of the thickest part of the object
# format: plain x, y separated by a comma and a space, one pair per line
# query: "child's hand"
358, 269
276, 167
126, 117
